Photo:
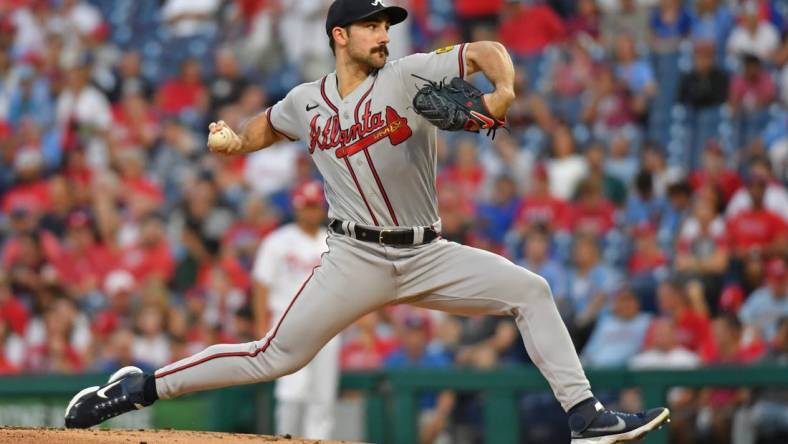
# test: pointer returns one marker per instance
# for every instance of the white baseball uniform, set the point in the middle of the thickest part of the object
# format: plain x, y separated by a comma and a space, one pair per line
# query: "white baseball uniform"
378, 159
306, 398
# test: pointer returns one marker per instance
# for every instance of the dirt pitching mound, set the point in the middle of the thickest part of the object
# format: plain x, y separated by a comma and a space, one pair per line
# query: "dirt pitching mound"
20, 435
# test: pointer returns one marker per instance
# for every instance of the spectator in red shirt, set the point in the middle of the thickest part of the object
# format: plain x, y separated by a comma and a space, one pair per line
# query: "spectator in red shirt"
465, 173
30, 188
714, 173
754, 89
12, 311
647, 264
608, 108
592, 213
85, 261
30, 260
775, 198
721, 404
573, 76
693, 328
757, 231
477, 17
150, 257
56, 350
540, 207
184, 92
752, 92
6, 366
368, 349
544, 27
586, 22
244, 236
119, 289
135, 125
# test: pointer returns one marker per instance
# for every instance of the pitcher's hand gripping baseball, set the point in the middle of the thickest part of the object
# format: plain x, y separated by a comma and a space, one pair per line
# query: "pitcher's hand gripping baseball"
222, 139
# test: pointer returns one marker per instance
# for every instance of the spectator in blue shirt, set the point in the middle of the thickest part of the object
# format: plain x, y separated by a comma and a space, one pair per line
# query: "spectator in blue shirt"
590, 283
416, 351
768, 304
669, 24
537, 259
713, 21
496, 216
618, 336
636, 73
32, 99
644, 206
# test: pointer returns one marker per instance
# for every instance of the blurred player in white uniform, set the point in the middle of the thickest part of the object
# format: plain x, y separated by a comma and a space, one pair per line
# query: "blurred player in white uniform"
305, 399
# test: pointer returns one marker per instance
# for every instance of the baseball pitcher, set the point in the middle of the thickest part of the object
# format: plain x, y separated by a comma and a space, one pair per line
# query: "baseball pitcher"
370, 127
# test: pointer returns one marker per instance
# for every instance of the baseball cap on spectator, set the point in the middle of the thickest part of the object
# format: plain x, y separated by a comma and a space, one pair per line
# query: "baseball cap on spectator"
416, 321
309, 193
776, 269
118, 281
731, 299
344, 12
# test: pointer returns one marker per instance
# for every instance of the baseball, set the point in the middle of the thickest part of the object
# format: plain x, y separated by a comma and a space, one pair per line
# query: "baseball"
220, 139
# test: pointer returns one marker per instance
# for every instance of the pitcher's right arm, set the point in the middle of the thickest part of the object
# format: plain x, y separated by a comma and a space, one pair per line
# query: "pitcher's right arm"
255, 135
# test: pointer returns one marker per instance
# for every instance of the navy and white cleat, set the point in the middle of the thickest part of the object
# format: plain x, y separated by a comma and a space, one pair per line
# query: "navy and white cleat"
593, 424
94, 405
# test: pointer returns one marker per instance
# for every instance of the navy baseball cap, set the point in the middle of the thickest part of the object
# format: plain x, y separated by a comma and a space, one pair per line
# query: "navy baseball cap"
344, 12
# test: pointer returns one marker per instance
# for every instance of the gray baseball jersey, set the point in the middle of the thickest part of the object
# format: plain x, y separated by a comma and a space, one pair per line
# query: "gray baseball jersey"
378, 159
376, 154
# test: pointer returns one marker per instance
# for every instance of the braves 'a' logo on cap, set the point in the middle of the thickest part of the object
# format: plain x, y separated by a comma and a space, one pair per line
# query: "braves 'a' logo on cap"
378, 3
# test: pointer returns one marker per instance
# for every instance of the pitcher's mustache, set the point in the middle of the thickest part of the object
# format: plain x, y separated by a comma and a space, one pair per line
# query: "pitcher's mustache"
384, 49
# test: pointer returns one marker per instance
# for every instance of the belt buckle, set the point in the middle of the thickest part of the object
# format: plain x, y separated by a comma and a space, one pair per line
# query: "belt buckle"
380, 236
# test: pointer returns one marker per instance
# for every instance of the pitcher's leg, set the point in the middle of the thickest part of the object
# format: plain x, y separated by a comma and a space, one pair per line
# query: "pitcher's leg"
469, 281
331, 299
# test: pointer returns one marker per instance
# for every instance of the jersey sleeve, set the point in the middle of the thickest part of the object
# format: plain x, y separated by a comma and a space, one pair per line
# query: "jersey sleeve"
448, 62
264, 270
283, 117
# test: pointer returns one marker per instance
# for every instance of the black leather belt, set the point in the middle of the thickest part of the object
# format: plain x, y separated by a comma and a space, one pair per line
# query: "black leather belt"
394, 237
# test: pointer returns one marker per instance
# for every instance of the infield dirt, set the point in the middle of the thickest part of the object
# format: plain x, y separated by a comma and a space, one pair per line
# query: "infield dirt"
21, 435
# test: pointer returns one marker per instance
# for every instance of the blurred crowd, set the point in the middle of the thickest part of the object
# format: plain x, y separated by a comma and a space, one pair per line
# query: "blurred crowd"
644, 177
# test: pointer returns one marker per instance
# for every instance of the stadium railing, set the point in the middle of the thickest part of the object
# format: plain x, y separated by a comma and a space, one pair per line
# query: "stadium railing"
391, 398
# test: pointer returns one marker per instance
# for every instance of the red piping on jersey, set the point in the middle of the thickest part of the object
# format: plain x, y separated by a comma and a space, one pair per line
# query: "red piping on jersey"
355, 180
244, 354
347, 162
268, 117
462, 62
369, 159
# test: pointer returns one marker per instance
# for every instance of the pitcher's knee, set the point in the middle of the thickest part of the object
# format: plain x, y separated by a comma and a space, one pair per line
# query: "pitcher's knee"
285, 360
532, 288
542, 287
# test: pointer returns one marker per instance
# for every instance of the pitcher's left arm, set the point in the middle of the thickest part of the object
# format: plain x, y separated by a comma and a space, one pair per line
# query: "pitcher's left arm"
492, 59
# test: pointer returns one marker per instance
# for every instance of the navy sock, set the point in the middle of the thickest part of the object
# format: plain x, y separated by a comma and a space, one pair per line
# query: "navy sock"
585, 403
149, 389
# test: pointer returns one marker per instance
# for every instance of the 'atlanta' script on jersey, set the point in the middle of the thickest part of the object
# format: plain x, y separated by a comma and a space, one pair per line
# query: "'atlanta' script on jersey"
371, 129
